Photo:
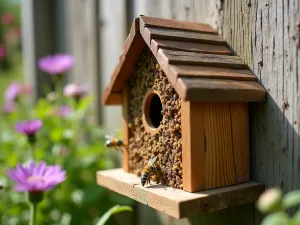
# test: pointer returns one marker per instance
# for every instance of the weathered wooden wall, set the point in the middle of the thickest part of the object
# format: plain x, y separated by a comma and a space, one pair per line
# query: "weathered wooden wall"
82, 34
265, 35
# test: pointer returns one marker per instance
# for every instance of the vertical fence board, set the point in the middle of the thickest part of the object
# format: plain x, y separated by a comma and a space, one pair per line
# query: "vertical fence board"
83, 43
39, 32
113, 32
265, 35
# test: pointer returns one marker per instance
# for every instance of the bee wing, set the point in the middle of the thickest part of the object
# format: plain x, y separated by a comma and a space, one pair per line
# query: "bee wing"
152, 161
108, 137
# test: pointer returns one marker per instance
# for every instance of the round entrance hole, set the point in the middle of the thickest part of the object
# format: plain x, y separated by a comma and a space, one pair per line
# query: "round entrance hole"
152, 109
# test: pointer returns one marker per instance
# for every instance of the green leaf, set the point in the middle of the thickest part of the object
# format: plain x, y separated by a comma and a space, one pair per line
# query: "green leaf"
56, 134
270, 201
277, 218
84, 103
295, 219
291, 199
112, 211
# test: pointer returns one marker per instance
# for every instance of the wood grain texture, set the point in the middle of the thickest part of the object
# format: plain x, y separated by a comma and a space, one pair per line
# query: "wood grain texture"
264, 35
267, 39
133, 46
180, 35
193, 146
213, 72
240, 140
125, 129
178, 203
164, 63
219, 158
177, 25
201, 59
250, 35
219, 90
190, 47
110, 98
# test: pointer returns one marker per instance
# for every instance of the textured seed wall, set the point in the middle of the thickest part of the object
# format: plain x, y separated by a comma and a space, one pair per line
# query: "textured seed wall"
167, 142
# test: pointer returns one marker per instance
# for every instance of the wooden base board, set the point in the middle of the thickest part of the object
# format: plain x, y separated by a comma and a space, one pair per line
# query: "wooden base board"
178, 203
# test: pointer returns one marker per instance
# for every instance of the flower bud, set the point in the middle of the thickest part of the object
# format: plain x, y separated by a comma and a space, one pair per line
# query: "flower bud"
270, 200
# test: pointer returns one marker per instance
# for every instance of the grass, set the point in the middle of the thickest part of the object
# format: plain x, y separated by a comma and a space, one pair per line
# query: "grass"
15, 73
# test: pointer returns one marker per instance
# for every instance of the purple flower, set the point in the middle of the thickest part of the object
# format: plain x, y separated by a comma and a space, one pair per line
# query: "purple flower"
75, 90
56, 64
9, 107
29, 127
13, 91
36, 177
64, 110
3, 52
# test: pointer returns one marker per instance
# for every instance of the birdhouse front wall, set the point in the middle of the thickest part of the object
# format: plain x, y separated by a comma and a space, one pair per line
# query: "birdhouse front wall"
162, 136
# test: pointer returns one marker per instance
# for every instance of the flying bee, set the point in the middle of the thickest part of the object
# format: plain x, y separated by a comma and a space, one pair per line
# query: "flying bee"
115, 143
149, 170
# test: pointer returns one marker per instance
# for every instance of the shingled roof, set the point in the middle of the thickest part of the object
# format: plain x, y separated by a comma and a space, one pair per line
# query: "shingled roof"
196, 60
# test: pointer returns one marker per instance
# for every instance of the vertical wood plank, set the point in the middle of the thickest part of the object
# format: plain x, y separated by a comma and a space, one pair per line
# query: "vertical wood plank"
240, 140
112, 28
39, 34
125, 129
219, 161
193, 146
83, 42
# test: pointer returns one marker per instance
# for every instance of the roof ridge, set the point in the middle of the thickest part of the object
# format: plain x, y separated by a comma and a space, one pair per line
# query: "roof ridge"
184, 50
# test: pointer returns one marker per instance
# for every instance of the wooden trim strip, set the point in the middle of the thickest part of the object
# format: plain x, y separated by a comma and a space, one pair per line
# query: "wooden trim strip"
125, 128
213, 72
200, 59
240, 140
111, 98
190, 47
177, 25
178, 203
193, 146
188, 36
203, 89
133, 46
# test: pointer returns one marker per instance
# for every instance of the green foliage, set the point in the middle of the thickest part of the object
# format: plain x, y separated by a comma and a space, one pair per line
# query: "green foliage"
112, 211
10, 33
275, 204
72, 141
291, 199
276, 218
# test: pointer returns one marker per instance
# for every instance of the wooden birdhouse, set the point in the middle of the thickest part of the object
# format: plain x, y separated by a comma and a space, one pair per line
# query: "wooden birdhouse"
185, 99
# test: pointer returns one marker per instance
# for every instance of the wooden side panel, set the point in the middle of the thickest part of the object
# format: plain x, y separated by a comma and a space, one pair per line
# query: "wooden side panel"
219, 155
125, 129
193, 146
240, 140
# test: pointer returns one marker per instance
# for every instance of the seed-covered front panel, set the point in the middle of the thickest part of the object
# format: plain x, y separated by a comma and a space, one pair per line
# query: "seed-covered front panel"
154, 121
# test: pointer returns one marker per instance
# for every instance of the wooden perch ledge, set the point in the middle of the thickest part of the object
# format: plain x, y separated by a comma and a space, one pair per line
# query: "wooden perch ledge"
178, 203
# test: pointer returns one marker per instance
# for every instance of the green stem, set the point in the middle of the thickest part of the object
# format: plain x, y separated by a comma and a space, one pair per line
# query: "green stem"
32, 142
33, 208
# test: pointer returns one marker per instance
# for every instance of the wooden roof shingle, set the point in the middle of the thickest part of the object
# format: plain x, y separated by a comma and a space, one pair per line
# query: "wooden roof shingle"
196, 60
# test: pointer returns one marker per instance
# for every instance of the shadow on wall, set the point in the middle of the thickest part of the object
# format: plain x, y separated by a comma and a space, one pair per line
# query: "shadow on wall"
273, 144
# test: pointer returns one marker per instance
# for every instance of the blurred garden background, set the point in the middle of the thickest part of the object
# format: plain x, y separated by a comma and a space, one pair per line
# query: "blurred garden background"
92, 33
70, 135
